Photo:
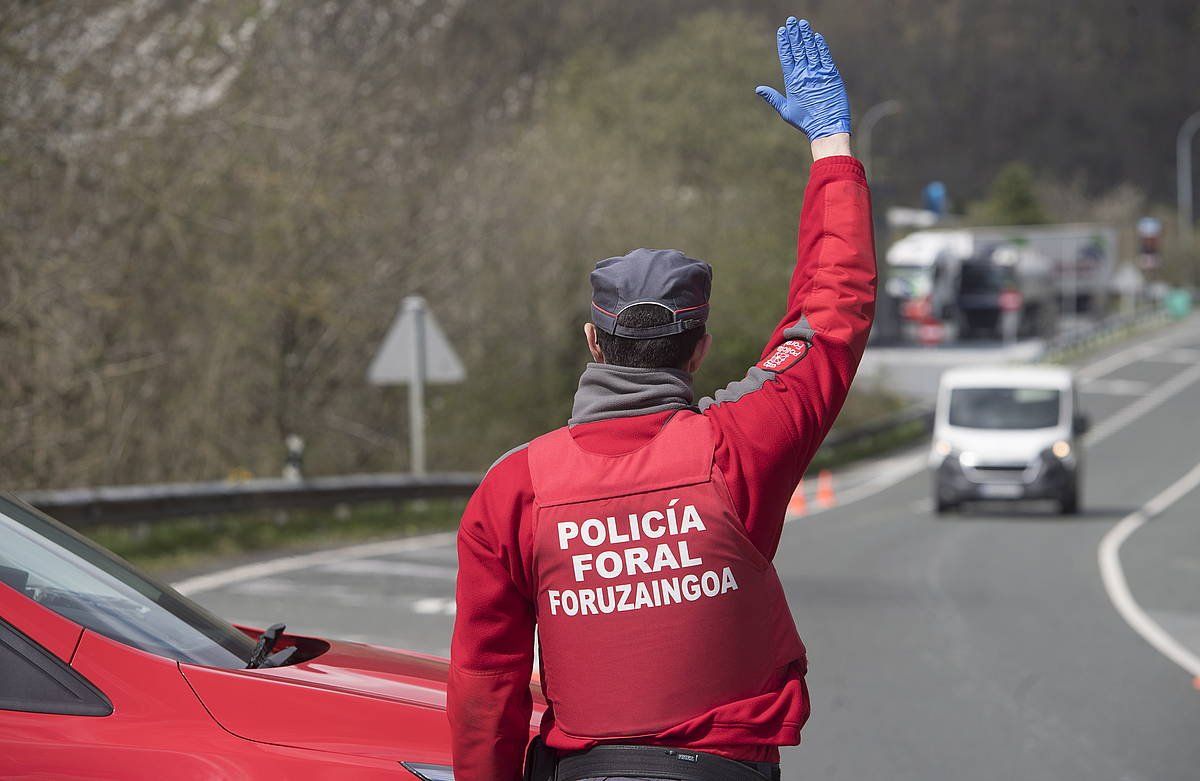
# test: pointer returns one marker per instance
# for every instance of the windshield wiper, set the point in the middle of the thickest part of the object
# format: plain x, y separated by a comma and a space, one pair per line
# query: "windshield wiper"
262, 656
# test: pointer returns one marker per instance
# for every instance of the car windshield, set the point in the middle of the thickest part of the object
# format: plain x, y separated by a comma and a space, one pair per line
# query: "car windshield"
67, 573
1005, 408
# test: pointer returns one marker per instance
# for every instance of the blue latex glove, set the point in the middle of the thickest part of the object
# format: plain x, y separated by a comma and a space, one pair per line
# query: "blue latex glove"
816, 101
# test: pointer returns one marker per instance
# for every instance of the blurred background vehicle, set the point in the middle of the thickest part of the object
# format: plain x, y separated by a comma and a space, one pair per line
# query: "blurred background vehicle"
1007, 433
1006, 292
954, 283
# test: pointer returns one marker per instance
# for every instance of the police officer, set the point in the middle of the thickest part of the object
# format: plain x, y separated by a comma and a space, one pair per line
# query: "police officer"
638, 539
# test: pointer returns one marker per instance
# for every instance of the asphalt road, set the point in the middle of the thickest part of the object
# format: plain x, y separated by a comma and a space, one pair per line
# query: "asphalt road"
915, 370
980, 646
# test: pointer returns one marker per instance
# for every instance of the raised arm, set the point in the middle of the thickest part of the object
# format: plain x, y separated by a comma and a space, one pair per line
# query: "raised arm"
772, 421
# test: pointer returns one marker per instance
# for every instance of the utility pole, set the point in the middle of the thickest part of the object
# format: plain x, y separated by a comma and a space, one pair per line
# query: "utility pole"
867, 126
1183, 177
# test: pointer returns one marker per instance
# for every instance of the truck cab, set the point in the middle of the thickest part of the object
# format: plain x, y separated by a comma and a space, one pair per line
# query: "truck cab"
1005, 292
923, 280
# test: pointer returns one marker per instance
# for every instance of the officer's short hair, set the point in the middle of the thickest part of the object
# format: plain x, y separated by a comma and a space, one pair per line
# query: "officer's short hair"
663, 352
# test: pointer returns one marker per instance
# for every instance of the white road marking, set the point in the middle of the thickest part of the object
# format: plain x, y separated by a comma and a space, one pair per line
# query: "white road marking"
1119, 360
435, 606
1113, 575
1126, 415
266, 587
1139, 351
1109, 552
392, 568
282, 587
262, 569
894, 470
1115, 387
888, 472
1180, 355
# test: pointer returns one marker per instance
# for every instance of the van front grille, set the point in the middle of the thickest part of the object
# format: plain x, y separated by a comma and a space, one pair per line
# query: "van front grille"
998, 473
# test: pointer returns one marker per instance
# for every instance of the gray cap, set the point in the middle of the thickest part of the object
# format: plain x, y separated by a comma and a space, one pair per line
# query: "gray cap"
665, 277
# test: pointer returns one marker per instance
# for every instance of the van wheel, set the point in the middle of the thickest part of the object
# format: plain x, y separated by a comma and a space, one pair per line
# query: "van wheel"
943, 507
1068, 504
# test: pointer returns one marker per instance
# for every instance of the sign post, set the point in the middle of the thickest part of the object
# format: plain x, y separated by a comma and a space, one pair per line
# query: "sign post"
416, 385
415, 352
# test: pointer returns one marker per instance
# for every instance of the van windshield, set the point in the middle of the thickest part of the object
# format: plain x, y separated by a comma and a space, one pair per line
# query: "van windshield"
1005, 408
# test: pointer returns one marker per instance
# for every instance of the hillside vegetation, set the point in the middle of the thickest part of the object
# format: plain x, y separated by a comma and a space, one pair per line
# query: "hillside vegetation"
211, 210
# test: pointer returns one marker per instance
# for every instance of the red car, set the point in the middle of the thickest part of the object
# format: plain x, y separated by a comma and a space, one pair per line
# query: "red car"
105, 673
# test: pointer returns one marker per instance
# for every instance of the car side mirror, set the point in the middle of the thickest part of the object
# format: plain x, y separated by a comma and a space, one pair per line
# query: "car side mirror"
1081, 424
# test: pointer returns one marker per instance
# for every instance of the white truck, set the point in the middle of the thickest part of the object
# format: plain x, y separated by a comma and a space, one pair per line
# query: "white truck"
1039, 268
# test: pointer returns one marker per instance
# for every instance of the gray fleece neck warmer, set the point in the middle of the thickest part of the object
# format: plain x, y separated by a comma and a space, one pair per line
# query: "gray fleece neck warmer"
607, 391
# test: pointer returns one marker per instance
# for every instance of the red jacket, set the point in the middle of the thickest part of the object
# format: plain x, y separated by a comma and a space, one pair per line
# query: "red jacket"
767, 425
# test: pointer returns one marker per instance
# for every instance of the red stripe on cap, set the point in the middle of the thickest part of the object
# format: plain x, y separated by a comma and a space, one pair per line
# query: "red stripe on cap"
605, 311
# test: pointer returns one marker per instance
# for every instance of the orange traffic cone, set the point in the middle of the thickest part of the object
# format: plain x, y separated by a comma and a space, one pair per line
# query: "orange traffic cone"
825, 495
799, 503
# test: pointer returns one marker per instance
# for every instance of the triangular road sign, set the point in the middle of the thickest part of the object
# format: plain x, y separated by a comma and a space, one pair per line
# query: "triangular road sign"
396, 361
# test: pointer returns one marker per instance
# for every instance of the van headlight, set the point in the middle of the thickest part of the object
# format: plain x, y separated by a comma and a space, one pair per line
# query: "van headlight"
430, 772
1059, 455
967, 458
942, 448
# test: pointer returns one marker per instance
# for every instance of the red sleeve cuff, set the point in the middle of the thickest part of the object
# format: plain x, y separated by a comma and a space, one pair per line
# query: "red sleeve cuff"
839, 167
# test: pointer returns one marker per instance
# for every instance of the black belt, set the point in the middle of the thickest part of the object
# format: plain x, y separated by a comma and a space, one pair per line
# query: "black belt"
660, 762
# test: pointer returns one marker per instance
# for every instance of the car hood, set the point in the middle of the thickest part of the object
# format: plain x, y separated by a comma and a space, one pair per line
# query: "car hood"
354, 698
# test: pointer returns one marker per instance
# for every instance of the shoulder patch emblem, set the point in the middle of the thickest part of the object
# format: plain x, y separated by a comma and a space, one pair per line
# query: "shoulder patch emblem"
785, 356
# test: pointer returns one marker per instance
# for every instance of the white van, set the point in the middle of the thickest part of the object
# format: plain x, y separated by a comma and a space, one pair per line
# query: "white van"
1007, 433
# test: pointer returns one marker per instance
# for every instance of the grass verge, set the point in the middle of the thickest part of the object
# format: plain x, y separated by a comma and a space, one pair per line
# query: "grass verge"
182, 545
881, 444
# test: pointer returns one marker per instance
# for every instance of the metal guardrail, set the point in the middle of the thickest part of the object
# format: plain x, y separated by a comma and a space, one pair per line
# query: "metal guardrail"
882, 427
143, 503
1107, 328
130, 504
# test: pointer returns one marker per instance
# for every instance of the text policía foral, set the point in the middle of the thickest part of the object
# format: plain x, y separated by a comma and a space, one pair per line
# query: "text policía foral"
648, 559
